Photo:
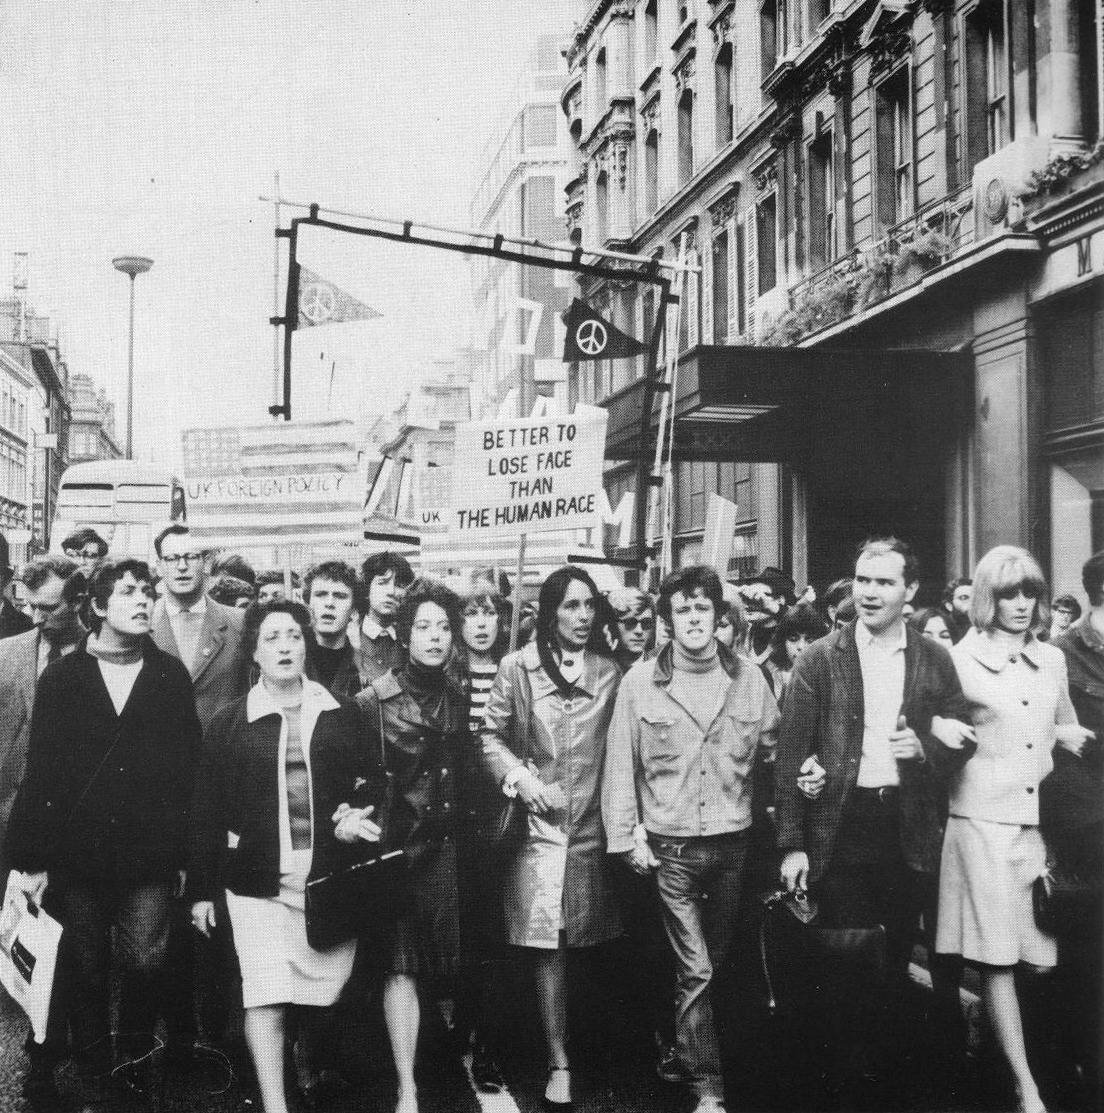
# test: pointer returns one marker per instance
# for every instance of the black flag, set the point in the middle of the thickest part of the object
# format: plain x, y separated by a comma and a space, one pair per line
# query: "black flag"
590, 336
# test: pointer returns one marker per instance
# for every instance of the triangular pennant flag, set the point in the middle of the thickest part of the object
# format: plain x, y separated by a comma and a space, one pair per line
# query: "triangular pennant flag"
590, 336
322, 303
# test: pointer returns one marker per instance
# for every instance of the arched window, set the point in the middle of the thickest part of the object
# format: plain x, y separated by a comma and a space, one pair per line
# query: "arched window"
651, 172
722, 73
686, 137
601, 207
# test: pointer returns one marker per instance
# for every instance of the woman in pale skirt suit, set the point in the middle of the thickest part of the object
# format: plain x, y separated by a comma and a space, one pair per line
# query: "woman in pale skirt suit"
992, 850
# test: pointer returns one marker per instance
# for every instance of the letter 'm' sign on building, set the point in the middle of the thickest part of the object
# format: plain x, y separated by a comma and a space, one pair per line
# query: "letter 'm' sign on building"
528, 475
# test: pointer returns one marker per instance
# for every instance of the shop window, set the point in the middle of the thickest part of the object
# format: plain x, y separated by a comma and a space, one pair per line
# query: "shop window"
986, 85
893, 120
722, 73
651, 172
686, 137
822, 202
766, 240
720, 287
1071, 348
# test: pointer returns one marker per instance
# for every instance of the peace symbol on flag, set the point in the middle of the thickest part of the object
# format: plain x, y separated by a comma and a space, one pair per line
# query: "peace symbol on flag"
591, 337
317, 302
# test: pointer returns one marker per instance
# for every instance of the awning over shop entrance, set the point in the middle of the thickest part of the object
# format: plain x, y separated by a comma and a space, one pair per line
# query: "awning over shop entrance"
771, 404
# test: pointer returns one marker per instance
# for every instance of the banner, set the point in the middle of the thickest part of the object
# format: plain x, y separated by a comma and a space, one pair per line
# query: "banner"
296, 483
528, 475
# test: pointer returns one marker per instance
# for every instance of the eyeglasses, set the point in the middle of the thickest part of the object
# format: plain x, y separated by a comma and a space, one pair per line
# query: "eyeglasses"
1030, 591
176, 558
633, 623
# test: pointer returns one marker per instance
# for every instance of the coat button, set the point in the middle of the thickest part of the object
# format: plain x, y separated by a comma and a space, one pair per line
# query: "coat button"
1025, 703
444, 772
1030, 790
1029, 745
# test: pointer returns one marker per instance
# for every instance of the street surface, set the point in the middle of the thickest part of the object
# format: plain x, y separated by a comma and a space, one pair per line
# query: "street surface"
613, 1061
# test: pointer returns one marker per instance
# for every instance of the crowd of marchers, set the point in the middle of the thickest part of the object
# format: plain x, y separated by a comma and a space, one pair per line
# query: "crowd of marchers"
185, 748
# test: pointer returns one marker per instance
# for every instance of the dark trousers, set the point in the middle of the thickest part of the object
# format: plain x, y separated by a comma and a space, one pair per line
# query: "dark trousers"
88, 910
699, 882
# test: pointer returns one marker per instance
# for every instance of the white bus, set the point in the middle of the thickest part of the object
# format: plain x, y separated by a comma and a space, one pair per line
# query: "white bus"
126, 502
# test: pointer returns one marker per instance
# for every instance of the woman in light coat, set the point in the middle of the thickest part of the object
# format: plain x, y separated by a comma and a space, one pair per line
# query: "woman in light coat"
544, 738
992, 851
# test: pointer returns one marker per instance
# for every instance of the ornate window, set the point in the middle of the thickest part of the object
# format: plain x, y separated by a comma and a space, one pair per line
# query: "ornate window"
722, 74
822, 201
651, 172
986, 84
893, 120
766, 242
686, 137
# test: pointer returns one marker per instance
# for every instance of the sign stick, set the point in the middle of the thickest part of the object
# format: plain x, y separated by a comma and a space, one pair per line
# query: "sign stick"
515, 616
285, 559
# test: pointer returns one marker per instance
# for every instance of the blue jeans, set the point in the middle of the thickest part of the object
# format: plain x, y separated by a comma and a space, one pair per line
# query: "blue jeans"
699, 881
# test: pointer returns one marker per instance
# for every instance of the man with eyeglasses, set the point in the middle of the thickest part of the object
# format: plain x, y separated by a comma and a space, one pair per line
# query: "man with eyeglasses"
86, 547
207, 637
634, 625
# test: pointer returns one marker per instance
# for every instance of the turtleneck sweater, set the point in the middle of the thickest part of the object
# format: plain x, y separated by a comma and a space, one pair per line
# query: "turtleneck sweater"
119, 669
699, 684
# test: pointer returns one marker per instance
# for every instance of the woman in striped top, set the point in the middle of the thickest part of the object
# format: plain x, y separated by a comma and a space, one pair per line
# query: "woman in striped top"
483, 633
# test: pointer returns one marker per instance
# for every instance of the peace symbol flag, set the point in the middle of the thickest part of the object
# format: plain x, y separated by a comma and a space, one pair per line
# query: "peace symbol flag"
322, 303
590, 336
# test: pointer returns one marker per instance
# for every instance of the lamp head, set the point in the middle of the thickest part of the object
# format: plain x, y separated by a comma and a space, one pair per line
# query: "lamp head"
132, 264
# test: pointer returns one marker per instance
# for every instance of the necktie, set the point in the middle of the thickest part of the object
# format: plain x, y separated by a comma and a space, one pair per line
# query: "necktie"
188, 639
54, 652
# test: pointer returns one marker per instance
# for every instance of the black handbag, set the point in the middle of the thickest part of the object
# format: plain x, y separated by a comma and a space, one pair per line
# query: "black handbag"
1063, 901
366, 897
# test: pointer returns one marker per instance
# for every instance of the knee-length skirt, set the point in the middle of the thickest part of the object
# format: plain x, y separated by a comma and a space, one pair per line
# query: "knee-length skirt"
278, 965
985, 880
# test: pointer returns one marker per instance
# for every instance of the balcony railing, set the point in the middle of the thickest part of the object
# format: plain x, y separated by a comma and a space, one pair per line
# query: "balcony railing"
867, 275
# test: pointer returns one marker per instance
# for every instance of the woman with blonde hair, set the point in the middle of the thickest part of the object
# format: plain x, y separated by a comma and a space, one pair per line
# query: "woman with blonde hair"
992, 851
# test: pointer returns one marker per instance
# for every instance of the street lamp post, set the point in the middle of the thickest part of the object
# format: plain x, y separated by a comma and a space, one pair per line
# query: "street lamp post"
132, 265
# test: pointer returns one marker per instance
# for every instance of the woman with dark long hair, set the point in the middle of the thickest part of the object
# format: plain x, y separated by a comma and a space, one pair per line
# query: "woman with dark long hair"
544, 739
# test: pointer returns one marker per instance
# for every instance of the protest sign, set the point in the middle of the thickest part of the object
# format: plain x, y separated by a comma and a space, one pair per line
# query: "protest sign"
528, 474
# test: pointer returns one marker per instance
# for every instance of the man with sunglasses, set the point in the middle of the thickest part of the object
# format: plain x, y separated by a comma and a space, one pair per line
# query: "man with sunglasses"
633, 625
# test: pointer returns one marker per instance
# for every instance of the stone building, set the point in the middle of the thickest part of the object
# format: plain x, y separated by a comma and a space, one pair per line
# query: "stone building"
904, 200
91, 423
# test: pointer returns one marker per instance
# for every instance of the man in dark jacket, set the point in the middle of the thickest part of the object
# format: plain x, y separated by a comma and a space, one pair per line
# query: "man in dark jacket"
329, 592
100, 823
881, 709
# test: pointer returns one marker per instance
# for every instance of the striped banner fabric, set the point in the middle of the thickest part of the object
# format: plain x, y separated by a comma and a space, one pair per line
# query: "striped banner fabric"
286, 484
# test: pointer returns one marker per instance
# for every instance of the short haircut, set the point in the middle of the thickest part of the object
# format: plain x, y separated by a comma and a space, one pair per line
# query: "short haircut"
688, 580
880, 546
1092, 578
836, 592
234, 564
337, 571
228, 590
625, 602
87, 536
37, 571
256, 613
1002, 568
1066, 603
102, 585
954, 585
426, 590
379, 564
803, 618
177, 529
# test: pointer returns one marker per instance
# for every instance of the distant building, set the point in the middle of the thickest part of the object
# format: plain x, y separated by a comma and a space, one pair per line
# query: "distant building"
91, 423
521, 195
25, 339
16, 391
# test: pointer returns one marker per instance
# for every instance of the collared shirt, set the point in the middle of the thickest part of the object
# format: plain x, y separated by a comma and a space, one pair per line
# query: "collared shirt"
1016, 698
882, 660
372, 629
63, 649
186, 630
379, 650
664, 769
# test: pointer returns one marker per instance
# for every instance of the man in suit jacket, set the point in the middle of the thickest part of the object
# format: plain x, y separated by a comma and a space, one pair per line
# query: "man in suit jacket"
54, 591
205, 635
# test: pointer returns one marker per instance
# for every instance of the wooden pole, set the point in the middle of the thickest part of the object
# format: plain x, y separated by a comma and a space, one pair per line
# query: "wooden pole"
516, 614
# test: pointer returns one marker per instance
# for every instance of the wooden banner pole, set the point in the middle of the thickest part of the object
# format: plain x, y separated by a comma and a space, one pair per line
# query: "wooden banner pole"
515, 616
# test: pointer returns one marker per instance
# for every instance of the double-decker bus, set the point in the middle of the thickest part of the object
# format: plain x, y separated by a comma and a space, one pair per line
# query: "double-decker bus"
126, 502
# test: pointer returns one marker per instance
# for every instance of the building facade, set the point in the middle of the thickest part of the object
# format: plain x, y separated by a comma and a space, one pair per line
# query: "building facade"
16, 390
91, 423
912, 191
